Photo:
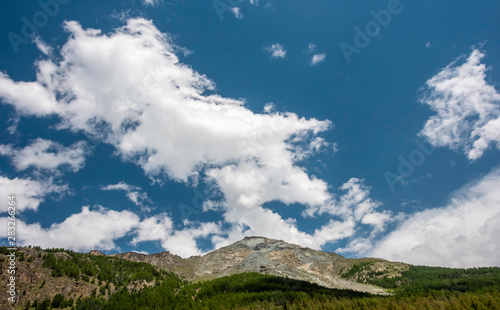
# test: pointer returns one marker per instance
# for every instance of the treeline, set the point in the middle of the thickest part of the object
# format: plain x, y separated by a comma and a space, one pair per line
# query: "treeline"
256, 291
423, 278
241, 291
58, 301
100, 268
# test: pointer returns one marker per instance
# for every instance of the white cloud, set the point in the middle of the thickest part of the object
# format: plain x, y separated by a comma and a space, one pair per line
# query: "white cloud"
467, 107
158, 227
237, 12
316, 59
43, 47
84, 231
29, 193
277, 50
269, 107
121, 15
183, 242
139, 101
464, 233
47, 155
101, 228
120, 186
310, 48
30, 98
140, 199
354, 210
151, 2
129, 89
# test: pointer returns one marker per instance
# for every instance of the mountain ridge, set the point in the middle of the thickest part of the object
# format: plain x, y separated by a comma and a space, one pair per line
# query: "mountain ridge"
271, 257
253, 273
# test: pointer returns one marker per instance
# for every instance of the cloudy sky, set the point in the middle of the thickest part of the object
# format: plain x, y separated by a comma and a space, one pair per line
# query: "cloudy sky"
367, 129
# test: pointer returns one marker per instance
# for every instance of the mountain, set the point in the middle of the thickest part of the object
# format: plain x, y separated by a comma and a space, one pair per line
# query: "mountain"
254, 273
273, 257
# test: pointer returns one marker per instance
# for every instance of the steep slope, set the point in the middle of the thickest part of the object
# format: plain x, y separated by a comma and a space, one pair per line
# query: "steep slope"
272, 257
34, 282
42, 274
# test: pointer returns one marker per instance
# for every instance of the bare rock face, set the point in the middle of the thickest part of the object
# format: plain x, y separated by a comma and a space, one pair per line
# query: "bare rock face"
278, 258
94, 252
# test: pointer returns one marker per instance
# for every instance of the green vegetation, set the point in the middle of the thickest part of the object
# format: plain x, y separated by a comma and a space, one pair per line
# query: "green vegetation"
4, 250
357, 268
418, 287
244, 291
101, 268
256, 291
423, 278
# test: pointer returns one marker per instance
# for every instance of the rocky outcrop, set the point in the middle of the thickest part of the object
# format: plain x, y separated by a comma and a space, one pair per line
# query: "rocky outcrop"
96, 253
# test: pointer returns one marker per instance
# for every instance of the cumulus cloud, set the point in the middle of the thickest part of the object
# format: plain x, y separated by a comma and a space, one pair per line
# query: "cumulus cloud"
129, 89
354, 210
158, 227
467, 107
44, 154
100, 228
277, 50
183, 242
84, 231
29, 193
134, 194
361, 220
316, 59
464, 233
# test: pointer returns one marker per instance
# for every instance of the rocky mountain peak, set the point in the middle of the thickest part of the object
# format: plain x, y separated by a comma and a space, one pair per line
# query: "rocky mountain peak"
262, 255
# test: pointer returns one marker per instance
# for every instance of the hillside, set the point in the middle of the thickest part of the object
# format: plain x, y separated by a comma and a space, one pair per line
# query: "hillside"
273, 257
254, 273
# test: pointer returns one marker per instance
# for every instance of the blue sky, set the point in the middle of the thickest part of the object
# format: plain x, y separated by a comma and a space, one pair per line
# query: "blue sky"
364, 128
